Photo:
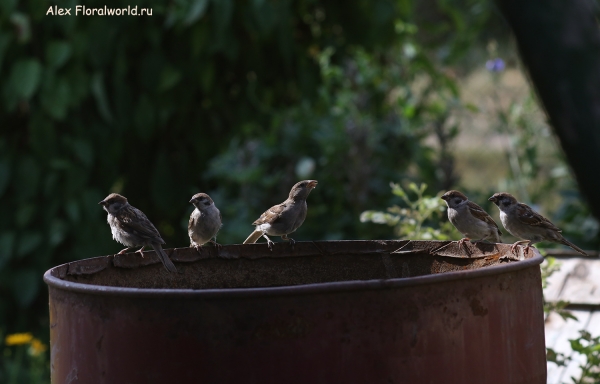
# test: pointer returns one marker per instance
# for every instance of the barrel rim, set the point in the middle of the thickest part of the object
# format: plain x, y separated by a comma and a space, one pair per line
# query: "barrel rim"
339, 286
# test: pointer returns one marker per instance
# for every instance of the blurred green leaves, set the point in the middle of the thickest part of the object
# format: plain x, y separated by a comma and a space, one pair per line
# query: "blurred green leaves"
236, 99
4, 175
23, 81
99, 92
7, 243
25, 285
420, 218
57, 53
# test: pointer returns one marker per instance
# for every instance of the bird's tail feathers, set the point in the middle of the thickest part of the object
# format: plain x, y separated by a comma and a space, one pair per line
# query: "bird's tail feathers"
162, 255
254, 236
568, 243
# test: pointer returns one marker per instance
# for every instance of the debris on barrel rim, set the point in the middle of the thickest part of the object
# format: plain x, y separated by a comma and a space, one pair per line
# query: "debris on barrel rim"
254, 266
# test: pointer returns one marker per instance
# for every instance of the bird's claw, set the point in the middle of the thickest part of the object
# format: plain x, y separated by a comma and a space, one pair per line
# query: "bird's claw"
219, 246
198, 248
141, 251
461, 244
290, 240
513, 248
270, 245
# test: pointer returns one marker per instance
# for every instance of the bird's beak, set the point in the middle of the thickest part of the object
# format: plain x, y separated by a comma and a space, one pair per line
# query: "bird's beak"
444, 197
492, 199
102, 202
312, 184
192, 201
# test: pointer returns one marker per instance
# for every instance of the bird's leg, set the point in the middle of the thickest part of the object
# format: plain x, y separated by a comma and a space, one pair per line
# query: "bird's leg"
141, 251
292, 241
513, 250
527, 247
515, 245
461, 244
124, 250
269, 242
197, 247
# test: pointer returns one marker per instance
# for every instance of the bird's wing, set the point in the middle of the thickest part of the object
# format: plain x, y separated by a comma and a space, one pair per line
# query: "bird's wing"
272, 214
192, 222
482, 215
135, 221
528, 216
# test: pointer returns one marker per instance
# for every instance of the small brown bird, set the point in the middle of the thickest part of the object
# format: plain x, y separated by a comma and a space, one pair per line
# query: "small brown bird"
470, 219
523, 222
284, 218
205, 221
130, 227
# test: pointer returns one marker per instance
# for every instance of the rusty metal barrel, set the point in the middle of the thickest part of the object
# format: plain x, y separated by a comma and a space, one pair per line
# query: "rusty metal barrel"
320, 312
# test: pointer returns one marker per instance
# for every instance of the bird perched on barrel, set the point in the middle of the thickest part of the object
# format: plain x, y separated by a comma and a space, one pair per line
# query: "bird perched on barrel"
130, 227
524, 223
470, 219
205, 221
284, 218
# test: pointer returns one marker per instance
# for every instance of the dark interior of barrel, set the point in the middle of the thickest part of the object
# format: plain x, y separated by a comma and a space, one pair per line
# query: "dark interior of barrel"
254, 265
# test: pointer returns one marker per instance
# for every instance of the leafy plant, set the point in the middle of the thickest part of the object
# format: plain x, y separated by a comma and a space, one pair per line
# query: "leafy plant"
589, 347
416, 220
24, 360
549, 267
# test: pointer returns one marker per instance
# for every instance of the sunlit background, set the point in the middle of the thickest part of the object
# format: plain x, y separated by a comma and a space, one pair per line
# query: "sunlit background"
241, 99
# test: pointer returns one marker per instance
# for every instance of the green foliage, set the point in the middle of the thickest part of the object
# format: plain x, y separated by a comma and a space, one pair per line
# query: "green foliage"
24, 360
537, 166
418, 220
236, 99
589, 347
549, 267
585, 344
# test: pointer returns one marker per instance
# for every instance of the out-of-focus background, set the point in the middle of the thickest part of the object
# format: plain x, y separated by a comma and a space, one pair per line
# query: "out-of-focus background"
241, 99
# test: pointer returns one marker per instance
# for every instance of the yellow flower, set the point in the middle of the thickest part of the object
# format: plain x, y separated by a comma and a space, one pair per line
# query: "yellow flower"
18, 339
37, 347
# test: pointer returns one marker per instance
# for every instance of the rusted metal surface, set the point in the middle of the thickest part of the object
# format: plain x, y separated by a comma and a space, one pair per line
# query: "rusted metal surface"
323, 312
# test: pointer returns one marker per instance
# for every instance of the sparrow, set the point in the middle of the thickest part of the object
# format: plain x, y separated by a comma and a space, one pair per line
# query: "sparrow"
205, 221
130, 227
524, 223
284, 218
470, 219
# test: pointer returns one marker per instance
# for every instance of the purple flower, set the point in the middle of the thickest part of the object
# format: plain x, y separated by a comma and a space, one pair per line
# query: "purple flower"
495, 65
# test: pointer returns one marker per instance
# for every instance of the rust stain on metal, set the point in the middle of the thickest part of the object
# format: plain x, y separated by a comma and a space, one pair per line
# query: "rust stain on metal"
323, 312
477, 308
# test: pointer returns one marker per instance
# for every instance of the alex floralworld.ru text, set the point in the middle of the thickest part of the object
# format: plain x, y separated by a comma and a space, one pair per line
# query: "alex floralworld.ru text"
104, 11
